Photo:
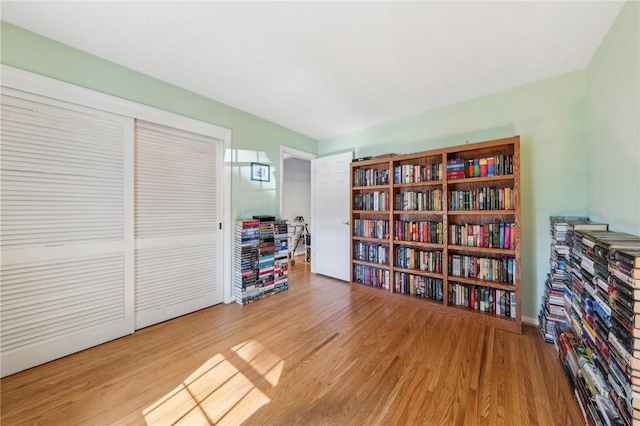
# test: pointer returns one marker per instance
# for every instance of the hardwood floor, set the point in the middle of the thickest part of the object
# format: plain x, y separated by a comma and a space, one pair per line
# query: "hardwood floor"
315, 354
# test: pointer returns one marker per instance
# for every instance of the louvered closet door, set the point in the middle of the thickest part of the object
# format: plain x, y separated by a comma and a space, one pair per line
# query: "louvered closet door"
178, 244
66, 227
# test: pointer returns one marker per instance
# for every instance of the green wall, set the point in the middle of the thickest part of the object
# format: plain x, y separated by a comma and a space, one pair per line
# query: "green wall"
580, 133
254, 139
613, 125
549, 117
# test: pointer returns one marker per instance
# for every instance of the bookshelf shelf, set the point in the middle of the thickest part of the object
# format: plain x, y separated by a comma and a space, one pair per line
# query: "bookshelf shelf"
483, 283
371, 188
481, 212
372, 264
371, 239
482, 250
419, 212
418, 244
371, 212
418, 184
413, 184
418, 272
485, 179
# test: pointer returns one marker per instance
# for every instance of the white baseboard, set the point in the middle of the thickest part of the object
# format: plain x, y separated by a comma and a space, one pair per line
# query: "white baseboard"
530, 321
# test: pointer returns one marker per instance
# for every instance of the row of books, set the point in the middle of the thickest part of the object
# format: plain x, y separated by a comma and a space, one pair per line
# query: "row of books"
493, 235
427, 287
496, 165
596, 338
485, 198
500, 269
371, 252
376, 200
370, 177
485, 299
371, 228
251, 294
415, 173
418, 231
419, 200
456, 169
490, 166
372, 276
423, 260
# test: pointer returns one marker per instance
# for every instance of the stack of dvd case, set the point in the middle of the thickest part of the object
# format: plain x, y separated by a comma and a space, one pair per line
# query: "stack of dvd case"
266, 255
281, 263
247, 236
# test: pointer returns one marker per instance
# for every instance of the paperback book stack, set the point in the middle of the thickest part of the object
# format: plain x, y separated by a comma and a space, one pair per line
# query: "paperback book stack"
266, 255
623, 255
599, 350
558, 286
596, 322
624, 280
455, 168
281, 262
247, 235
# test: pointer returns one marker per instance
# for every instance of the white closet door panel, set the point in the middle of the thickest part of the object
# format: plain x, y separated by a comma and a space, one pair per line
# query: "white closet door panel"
53, 309
43, 301
178, 257
173, 281
176, 182
54, 162
66, 227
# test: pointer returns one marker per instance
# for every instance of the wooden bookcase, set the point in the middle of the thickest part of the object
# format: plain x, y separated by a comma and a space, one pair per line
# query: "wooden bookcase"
446, 243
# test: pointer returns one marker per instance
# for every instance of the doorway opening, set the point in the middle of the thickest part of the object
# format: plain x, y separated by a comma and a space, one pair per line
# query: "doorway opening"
295, 201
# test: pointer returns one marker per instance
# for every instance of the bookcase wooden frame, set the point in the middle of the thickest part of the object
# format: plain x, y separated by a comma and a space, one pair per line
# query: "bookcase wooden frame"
510, 146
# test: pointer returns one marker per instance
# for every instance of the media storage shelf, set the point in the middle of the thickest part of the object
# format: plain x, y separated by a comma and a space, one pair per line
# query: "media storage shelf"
417, 212
418, 184
371, 187
482, 250
418, 244
481, 212
371, 212
372, 264
483, 283
461, 201
509, 177
418, 272
371, 239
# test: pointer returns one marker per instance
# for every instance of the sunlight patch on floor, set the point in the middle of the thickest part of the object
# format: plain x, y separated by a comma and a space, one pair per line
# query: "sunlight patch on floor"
217, 392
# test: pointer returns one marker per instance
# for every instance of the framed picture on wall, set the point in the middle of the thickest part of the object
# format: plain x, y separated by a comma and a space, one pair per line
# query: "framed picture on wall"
260, 172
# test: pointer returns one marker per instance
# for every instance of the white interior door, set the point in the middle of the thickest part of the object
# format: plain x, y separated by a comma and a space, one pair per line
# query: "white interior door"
330, 248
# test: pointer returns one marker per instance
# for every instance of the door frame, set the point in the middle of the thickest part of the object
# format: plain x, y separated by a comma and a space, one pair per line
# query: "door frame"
287, 152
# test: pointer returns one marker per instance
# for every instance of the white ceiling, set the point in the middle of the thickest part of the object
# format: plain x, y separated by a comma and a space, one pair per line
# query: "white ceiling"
328, 68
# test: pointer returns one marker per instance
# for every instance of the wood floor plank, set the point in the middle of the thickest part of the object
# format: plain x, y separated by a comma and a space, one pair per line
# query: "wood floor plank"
317, 354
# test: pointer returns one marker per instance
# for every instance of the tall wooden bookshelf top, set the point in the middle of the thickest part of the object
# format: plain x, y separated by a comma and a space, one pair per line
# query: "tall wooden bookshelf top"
476, 147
